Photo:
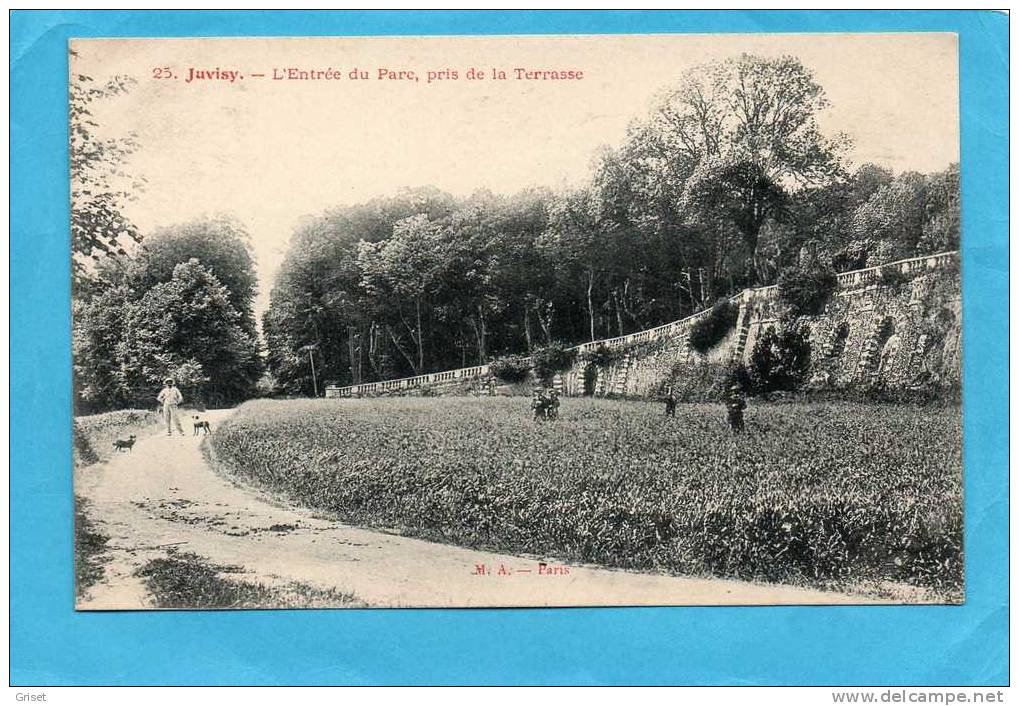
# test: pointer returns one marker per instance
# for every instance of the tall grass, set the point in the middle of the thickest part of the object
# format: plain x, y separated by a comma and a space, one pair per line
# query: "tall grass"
820, 493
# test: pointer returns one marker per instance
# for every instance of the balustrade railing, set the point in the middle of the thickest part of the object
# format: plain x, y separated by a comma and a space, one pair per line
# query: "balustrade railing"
410, 383
845, 279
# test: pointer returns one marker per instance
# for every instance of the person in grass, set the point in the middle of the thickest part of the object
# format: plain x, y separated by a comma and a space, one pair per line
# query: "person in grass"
170, 399
545, 403
735, 403
552, 410
669, 398
537, 403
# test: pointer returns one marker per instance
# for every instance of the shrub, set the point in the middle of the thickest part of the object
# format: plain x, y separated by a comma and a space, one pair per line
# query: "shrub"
851, 257
804, 292
780, 360
510, 368
708, 331
267, 385
552, 359
601, 355
891, 276
737, 373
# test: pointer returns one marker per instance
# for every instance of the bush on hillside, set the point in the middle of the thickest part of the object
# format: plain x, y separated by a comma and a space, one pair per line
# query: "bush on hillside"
552, 359
805, 292
510, 369
708, 331
780, 360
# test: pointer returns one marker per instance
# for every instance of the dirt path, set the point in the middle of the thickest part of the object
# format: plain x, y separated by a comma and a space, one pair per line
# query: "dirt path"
164, 496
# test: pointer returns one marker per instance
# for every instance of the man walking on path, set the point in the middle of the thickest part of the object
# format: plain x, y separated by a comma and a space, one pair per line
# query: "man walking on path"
170, 398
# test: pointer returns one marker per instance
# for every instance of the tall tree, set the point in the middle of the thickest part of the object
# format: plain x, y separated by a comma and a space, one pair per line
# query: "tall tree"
220, 244
741, 134
188, 327
401, 274
100, 188
573, 242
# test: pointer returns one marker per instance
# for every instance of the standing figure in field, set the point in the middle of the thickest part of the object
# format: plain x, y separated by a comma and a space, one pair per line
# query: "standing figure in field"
170, 399
545, 403
552, 408
670, 403
538, 403
735, 403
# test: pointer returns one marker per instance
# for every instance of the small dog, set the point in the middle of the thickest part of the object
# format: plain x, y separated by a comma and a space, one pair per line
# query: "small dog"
124, 444
201, 425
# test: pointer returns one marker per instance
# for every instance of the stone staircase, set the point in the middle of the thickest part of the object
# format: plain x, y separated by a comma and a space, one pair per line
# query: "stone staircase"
867, 366
622, 374
742, 333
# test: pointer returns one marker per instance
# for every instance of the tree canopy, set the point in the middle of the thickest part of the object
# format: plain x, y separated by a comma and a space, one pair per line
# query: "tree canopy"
100, 187
721, 185
180, 306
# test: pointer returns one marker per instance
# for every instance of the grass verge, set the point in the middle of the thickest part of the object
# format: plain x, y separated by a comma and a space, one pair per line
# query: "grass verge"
94, 434
89, 548
187, 581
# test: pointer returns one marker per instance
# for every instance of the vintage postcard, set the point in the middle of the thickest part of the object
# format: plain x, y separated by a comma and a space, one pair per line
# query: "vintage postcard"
516, 321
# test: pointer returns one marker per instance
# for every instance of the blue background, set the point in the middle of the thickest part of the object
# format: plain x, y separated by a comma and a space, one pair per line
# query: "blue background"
52, 645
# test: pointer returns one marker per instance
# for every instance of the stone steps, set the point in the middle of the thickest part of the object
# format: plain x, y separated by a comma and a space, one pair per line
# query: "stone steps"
867, 367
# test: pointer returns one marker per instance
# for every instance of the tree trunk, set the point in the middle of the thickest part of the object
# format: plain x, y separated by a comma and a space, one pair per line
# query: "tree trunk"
360, 356
527, 327
374, 360
354, 378
396, 342
421, 338
480, 332
546, 324
590, 304
619, 311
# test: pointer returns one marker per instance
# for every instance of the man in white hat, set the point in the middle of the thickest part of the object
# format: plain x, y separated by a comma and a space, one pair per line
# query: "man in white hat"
170, 398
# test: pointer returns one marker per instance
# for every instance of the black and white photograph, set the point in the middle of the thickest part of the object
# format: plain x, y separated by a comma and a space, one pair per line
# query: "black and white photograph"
516, 321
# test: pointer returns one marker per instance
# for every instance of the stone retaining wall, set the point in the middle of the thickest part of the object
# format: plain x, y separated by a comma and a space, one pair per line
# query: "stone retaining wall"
898, 325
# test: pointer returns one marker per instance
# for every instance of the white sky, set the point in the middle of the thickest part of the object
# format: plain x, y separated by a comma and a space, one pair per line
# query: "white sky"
269, 152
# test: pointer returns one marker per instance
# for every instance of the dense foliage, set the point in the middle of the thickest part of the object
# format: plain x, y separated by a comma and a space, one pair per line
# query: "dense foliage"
510, 368
552, 359
812, 493
722, 184
709, 330
805, 290
779, 360
166, 310
602, 355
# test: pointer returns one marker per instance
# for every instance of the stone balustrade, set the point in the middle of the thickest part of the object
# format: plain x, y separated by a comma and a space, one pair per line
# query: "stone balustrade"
384, 386
855, 278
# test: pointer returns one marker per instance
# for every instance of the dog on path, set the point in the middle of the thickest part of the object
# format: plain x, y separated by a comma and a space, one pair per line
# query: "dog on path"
202, 425
124, 444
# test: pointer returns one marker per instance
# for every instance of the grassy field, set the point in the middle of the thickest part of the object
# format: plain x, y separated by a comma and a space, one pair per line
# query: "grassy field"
820, 493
